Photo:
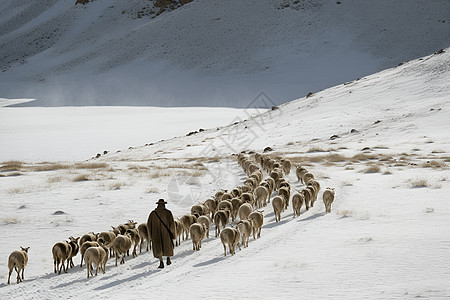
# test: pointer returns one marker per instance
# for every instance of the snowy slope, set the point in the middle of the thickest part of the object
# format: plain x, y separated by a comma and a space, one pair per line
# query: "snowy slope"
386, 238
205, 53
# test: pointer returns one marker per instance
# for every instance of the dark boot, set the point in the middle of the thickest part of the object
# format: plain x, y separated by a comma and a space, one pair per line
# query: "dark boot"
161, 265
168, 261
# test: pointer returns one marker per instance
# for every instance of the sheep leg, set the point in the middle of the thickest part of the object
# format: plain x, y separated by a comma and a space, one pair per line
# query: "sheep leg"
54, 265
18, 276
81, 263
225, 249
96, 270
22, 273
117, 257
9, 276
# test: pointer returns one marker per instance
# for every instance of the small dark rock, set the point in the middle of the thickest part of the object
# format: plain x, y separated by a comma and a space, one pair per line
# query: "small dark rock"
376, 122
105, 152
354, 131
275, 107
251, 152
400, 64
309, 95
98, 155
267, 149
59, 212
235, 123
365, 149
201, 130
440, 51
22, 207
334, 136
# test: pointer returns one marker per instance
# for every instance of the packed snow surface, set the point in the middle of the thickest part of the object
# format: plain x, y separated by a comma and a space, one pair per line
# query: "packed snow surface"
387, 236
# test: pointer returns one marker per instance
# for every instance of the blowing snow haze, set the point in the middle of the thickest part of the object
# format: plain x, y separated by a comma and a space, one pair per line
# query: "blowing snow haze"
205, 52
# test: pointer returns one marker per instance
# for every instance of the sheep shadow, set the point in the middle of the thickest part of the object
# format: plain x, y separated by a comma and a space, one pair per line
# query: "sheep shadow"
66, 284
210, 262
125, 280
312, 217
273, 224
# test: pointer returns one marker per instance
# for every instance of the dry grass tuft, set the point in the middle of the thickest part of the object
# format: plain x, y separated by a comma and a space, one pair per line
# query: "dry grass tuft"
81, 177
372, 169
49, 167
336, 158
363, 156
345, 213
158, 174
17, 190
419, 183
10, 220
91, 165
315, 149
153, 190
55, 179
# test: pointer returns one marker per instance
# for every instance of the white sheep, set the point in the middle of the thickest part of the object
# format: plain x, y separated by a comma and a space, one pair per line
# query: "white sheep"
198, 232
328, 198
97, 256
230, 236
18, 260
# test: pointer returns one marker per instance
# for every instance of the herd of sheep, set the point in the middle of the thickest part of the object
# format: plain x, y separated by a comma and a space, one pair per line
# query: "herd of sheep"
243, 203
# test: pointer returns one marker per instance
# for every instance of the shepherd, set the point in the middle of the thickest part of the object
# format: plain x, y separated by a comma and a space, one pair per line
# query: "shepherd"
161, 228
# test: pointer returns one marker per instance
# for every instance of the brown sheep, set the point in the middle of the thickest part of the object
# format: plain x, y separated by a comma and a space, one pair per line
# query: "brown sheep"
205, 220
297, 202
261, 193
328, 198
178, 231
74, 251
236, 203
248, 198
307, 177
18, 260
245, 228
135, 239
221, 217
287, 166
121, 246
61, 253
211, 204
278, 204
285, 193
187, 221
144, 236
84, 247
226, 205
230, 236
308, 196
257, 220
108, 237
300, 171
244, 210
88, 237
197, 231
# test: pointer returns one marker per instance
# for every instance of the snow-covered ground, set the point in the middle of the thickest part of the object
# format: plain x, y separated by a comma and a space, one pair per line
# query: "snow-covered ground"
386, 238
206, 53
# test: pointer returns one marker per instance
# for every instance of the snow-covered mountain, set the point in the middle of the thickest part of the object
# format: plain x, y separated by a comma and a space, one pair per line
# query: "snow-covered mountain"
382, 142
205, 53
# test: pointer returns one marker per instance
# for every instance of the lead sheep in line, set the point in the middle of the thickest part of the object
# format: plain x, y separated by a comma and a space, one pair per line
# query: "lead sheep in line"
297, 202
328, 198
198, 232
257, 220
144, 236
230, 236
18, 260
178, 232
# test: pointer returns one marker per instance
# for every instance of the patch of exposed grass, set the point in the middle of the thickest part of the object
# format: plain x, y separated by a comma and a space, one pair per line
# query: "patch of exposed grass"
158, 174
91, 165
363, 156
345, 213
336, 158
55, 179
10, 220
49, 167
436, 164
437, 151
153, 190
17, 190
12, 165
115, 185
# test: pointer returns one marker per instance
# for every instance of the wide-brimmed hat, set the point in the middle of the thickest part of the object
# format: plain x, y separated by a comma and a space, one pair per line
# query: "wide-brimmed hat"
161, 201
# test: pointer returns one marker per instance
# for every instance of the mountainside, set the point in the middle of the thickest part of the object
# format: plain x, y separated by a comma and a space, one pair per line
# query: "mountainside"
381, 141
205, 53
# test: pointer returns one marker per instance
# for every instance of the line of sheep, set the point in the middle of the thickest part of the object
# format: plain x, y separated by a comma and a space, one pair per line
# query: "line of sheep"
244, 201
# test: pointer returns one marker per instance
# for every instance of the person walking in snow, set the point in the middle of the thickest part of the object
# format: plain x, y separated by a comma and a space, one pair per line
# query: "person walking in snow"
161, 228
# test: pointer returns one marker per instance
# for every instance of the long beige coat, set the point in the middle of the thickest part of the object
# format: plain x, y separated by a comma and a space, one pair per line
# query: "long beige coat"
161, 241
